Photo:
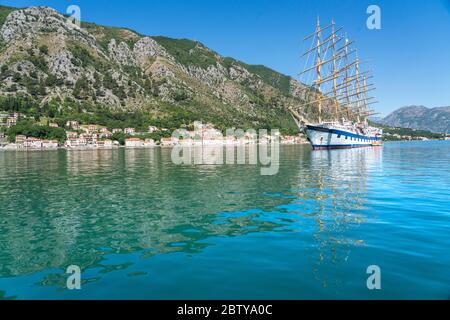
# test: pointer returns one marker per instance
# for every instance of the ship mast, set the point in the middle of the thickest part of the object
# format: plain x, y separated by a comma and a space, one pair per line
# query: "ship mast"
365, 100
344, 87
358, 108
335, 73
319, 66
346, 83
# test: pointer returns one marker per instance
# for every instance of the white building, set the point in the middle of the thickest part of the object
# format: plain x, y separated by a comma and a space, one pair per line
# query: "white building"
20, 139
74, 125
32, 143
11, 121
108, 143
129, 131
92, 128
149, 143
71, 134
152, 129
71, 143
168, 142
105, 143
134, 143
105, 133
49, 144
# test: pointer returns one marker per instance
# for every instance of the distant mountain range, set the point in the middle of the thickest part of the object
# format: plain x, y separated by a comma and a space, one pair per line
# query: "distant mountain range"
419, 117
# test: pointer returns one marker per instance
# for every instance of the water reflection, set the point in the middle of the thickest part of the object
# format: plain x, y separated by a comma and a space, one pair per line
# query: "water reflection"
341, 177
77, 207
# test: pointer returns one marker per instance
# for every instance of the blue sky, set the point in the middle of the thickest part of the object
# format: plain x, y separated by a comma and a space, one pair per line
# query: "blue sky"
410, 55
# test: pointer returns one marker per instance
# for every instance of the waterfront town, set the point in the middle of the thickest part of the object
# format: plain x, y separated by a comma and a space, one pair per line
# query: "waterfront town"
92, 136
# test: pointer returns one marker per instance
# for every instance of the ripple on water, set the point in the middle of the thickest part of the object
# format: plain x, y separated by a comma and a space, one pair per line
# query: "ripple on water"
141, 227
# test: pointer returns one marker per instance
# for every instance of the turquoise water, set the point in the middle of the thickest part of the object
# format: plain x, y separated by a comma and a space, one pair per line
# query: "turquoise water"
142, 228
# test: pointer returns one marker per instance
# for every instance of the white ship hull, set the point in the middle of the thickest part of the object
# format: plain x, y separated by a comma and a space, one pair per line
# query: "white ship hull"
329, 137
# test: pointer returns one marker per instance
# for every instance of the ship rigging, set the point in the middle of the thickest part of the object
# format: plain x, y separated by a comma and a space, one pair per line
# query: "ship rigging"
336, 100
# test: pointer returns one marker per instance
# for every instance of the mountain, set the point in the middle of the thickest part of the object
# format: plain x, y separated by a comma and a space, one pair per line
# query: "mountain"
51, 68
375, 119
420, 117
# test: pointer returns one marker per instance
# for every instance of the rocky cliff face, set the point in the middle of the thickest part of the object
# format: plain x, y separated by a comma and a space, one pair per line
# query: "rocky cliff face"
46, 57
420, 117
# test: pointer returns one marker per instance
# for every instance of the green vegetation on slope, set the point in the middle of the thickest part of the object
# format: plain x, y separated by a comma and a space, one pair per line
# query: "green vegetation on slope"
171, 116
31, 129
271, 77
105, 34
188, 52
4, 11
389, 132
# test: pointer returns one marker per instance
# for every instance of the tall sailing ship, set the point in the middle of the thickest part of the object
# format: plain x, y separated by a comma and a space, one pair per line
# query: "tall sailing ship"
335, 82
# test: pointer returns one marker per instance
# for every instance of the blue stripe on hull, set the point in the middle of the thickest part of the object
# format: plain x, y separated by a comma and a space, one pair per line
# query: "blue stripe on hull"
342, 133
340, 146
